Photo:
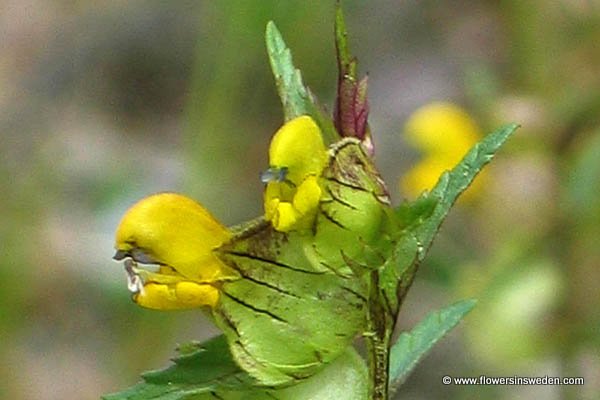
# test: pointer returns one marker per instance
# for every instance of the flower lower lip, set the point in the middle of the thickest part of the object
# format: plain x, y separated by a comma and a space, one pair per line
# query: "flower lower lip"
135, 284
139, 274
134, 270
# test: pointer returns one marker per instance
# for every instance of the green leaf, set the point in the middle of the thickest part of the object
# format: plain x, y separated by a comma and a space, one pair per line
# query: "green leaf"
341, 43
412, 346
412, 214
295, 96
420, 221
207, 371
452, 183
293, 93
190, 367
146, 391
197, 369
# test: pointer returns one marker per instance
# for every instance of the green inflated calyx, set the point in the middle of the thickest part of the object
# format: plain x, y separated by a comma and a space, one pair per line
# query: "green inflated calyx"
302, 293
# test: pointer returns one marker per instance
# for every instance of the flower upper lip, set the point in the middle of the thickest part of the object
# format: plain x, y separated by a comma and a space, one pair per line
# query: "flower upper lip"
120, 255
136, 254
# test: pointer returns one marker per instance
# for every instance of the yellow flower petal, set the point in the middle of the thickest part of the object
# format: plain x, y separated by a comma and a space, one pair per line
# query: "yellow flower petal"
182, 295
298, 146
179, 235
285, 217
307, 196
291, 203
176, 231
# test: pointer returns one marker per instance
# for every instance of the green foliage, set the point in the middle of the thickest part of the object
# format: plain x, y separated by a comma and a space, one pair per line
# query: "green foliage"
428, 212
412, 346
189, 374
421, 219
453, 183
207, 371
341, 43
190, 367
295, 96
418, 224
412, 214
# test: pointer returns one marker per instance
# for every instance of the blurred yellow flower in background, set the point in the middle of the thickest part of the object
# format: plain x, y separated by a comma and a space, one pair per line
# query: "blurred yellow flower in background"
444, 133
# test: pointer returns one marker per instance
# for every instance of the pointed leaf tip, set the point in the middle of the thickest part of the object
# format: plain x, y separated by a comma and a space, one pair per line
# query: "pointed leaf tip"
453, 183
295, 96
341, 38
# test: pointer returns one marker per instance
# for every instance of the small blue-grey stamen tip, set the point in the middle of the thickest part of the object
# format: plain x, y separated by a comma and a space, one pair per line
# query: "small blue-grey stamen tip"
273, 174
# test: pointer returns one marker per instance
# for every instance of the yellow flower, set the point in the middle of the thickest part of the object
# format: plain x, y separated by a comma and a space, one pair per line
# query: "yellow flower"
298, 152
444, 133
176, 235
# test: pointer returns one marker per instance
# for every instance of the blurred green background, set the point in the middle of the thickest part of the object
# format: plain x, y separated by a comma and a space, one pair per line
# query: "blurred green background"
102, 103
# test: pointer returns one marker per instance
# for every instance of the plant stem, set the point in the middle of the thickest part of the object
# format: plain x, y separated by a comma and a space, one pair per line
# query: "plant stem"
380, 328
